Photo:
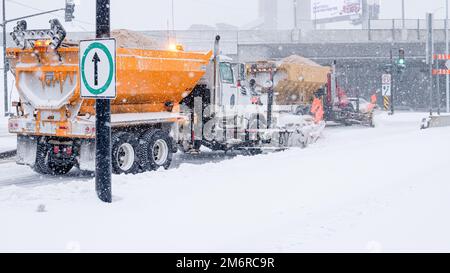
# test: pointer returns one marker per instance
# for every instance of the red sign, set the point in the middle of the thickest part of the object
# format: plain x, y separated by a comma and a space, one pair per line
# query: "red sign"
441, 57
441, 72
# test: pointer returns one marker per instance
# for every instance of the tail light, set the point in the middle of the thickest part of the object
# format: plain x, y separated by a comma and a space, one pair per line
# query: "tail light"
56, 149
13, 126
89, 130
69, 151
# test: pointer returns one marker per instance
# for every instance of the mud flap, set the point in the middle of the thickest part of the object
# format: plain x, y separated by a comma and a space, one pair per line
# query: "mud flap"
86, 160
26, 150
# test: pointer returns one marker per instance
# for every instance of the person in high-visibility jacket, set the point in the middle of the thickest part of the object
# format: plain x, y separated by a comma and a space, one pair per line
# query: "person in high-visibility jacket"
373, 102
317, 110
374, 99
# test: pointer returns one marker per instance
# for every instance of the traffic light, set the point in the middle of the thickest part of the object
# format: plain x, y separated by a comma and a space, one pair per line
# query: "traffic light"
401, 62
70, 9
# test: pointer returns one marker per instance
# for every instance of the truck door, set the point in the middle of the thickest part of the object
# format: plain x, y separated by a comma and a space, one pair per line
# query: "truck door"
229, 96
244, 96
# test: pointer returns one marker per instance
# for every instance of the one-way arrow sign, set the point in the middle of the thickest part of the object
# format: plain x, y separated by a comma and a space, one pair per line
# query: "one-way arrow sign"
98, 69
96, 60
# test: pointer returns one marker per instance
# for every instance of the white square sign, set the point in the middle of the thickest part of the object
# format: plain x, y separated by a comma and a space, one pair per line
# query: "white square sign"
386, 90
97, 63
386, 79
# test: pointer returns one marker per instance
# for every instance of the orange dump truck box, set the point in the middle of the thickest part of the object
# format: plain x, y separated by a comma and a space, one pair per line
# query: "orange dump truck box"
147, 80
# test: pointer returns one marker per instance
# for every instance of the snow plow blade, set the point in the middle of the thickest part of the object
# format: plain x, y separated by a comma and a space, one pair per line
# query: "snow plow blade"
299, 132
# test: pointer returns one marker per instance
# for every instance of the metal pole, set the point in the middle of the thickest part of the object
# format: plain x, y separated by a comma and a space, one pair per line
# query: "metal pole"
5, 63
32, 15
270, 99
393, 82
447, 77
393, 29
438, 89
295, 15
103, 117
403, 15
173, 20
429, 56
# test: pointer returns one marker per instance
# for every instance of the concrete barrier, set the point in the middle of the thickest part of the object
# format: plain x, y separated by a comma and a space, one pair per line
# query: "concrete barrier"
436, 121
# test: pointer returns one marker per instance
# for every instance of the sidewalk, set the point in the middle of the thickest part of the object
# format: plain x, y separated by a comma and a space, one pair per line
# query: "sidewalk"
7, 141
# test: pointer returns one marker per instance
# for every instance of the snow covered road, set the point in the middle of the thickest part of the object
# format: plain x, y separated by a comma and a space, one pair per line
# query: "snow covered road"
358, 189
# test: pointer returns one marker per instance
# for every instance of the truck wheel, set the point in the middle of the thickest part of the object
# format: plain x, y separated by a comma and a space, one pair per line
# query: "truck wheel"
124, 153
60, 169
42, 159
155, 150
44, 164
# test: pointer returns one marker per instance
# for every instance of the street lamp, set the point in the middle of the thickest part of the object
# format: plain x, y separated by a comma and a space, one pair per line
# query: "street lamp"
447, 77
69, 9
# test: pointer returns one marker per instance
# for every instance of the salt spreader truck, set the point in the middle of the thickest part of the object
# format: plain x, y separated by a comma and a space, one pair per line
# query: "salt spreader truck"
167, 100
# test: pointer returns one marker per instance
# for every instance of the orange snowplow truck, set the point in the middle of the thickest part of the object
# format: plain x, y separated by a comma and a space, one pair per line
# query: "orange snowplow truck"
167, 99
56, 127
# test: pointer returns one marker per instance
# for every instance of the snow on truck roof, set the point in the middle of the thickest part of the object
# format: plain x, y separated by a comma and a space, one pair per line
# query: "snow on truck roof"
127, 39
299, 60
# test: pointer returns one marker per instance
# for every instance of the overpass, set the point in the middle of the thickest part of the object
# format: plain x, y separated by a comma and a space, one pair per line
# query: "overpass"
360, 53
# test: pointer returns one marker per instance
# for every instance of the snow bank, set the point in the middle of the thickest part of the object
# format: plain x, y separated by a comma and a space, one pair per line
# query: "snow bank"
359, 189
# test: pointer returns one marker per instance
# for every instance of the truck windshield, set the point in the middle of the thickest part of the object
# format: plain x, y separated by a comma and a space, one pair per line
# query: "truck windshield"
226, 73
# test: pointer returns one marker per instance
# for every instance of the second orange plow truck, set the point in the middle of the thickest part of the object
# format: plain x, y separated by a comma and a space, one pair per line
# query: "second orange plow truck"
168, 100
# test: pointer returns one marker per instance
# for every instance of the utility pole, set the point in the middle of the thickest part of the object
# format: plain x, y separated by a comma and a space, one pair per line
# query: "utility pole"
447, 77
103, 116
5, 62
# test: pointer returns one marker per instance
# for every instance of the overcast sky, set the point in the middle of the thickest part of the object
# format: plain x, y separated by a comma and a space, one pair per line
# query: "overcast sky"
156, 14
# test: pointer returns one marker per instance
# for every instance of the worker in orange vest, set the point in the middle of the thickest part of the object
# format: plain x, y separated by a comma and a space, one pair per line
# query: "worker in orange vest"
373, 102
317, 110
374, 99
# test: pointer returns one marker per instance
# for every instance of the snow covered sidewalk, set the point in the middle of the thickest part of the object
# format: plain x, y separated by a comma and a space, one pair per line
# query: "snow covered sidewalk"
358, 189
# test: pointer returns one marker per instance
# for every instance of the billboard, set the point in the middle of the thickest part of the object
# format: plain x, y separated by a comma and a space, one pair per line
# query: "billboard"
335, 10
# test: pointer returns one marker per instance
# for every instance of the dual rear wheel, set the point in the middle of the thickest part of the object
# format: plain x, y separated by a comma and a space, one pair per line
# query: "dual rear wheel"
132, 155
47, 164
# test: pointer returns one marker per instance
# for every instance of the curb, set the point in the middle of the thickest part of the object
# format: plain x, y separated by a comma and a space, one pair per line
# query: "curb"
8, 154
